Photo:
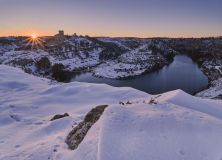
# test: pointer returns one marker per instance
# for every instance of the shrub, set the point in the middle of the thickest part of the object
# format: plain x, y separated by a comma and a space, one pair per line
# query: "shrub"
58, 72
154, 48
43, 64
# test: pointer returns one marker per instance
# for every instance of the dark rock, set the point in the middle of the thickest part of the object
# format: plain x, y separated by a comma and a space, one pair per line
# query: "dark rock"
94, 114
218, 97
58, 116
152, 101
16, 118
128, 102
121, 103
78, 133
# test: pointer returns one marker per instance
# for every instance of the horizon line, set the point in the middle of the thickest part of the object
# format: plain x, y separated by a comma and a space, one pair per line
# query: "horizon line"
103, 36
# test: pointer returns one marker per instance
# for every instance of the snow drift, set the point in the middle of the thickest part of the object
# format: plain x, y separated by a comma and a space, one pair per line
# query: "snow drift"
172, 125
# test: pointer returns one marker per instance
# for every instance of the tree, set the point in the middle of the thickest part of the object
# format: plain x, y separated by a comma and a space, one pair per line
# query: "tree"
43, 64
58, 72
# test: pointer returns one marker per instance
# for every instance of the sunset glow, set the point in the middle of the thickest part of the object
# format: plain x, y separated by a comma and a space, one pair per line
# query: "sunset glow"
125, 18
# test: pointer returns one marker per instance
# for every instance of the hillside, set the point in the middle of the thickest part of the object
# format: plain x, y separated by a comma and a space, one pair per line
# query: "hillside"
61, 57
135, 125
105, 57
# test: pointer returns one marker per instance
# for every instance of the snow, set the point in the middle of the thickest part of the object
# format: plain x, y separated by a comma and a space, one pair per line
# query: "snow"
23, 59
115, 70
27, 104
132, 63
6, 47
214, 91
135, 61
71, 62
172, 125
140, 54
158, 132
179, 126
77, 62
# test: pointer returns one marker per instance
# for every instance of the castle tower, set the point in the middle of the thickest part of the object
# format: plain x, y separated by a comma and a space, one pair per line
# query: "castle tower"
61, 33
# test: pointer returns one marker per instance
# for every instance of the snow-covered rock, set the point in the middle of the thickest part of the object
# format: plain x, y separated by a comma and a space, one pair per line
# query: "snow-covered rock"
115, 70
215, 90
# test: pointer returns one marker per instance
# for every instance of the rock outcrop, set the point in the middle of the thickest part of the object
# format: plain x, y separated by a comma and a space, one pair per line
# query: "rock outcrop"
78, 133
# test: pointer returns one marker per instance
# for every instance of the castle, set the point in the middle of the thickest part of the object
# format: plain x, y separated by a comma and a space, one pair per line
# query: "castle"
60, 34
56, 39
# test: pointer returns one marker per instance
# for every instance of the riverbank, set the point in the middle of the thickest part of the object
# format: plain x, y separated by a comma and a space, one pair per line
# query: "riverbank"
211, 65
214, 73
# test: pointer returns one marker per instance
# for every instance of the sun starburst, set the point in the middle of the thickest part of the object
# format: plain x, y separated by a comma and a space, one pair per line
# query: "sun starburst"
34, 36
34, 41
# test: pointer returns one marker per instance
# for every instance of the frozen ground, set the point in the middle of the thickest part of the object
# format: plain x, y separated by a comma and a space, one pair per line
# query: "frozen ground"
172, 125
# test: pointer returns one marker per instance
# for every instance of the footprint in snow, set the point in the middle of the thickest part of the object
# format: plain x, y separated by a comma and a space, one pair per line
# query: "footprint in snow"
11, 106
35, 107
38, 123
17, 146
182, 152
16, 118
2, 141
162, 135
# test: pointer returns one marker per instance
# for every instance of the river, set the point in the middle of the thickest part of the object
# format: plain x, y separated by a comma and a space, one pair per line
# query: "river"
182, 73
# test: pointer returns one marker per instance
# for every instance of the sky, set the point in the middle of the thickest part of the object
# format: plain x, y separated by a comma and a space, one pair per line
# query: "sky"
115, 18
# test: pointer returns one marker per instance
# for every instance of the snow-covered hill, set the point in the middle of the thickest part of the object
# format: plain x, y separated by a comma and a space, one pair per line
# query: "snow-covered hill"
127, 56
171, 125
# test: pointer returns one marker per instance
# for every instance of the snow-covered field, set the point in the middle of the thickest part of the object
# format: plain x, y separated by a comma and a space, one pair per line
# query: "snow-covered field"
171, 125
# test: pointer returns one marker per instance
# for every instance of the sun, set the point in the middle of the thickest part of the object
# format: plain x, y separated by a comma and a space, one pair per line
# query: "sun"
34, 41
34, 36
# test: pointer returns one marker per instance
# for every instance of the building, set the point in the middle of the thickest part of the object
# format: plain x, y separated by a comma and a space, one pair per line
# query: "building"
61, 33
57, 39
